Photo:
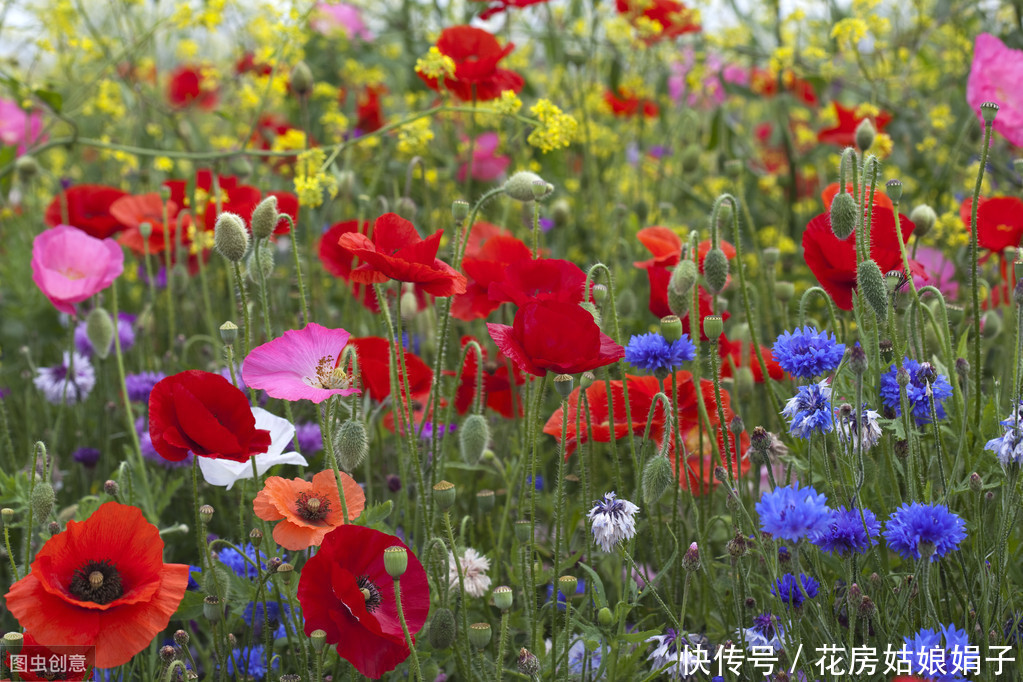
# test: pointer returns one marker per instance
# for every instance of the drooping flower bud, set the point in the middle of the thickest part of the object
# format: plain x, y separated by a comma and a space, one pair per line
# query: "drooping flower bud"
473, 438
870, 282
351, 445
715, 270
99, 329
561, 211
441, 633
843, 215
230, 238
657, 478
520, 186
42, 500
264, 218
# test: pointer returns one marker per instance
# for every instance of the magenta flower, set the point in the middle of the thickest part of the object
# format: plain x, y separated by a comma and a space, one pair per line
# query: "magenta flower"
997, 76
486, 165
941, 271
301, 365
69, 266
18, 128
329, 19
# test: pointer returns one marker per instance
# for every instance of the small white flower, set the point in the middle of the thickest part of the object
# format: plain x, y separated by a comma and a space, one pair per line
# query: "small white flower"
766, 632
70, 382
869, 431
613, 521
226, 473
474, 572
683, 659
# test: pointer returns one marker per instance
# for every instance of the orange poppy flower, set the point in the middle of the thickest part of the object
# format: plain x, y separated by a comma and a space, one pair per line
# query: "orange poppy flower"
307, 510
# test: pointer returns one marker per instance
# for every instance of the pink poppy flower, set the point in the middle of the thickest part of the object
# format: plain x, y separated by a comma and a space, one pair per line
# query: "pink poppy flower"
329, 19
69, 266
301, 365
486, 165
997, 76
941, 271
18, 128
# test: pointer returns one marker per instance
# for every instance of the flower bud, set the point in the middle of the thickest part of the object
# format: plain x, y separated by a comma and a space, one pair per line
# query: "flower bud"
406, 208
843, 215
657, 478
529, 665
541, 189
715, 270
683, 277
604, 616
442, 628
395, 561
520, 186
393, 483
713, 326
111, 488
42, 500
206, 513
858, 360
642, 211
564, 384
99, 329
887, 350
522, 530
503, 597
473, 438
784, 291
145, 229
485, 500
691, 559
181, 638
459, 210
318, 639
263, 262
212, 608
691, 158
737, 546
53, 528
240, 167
7, 514
894, 189
771, 256
561, 211
989, 110
976, 484
230, 238
26, 167
229, 333
351, 444
865, 134
265, 217
444, 495
991, 324
870, 282
924, 217
744, 381
567, 585
301, 79
736, 426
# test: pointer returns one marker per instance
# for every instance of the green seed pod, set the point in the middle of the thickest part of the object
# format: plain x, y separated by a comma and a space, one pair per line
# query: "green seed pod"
843, 215
99, 329
715, 270
265, 262
657, 478
989, 110
870, 282
784, 291
503, 597
319, 639
473, 438
42, 500
442, 629
480, 635
564, 384
230, 238
671, 328
444, 494
459, 210
351, 444
212, 608
264, 218
865, 134
520, 186
395, 561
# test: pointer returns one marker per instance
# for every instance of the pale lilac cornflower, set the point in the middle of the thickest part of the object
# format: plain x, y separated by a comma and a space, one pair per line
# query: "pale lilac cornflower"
1009, 447
474, 572
869, 431
613, 521
675, 650
69, 382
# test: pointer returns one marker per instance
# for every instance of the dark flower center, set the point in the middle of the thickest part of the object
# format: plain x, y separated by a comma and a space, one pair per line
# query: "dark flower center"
370, 592
97, 581
312, 508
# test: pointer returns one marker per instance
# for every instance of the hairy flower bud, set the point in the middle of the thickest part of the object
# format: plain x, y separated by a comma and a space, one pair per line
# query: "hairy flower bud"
924, 217
441, 633
473, 438
657, 478
351, 444
264, 261
520, 186
865, 135
42, 500
264, 218
843, 215
691, 158
99, 329
870, 282
230, 238
301, 79
715, 270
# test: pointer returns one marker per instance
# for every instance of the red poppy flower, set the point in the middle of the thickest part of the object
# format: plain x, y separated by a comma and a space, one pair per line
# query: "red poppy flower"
248, 64
476, 54
557, 336
764, 82
41, 663
741, 354
346, 592
102, 583
844, 132
204, 413
398, 252
88, 209
486, 264
186, 87
641, 394
999, 221
368, 111
374, 368
500, 393
339, 261
674, 18
543, 279
498, 6
133, 210
880, 198
627, 105
833, 260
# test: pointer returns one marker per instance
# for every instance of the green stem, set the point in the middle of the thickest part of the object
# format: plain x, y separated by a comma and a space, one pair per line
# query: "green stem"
416, 672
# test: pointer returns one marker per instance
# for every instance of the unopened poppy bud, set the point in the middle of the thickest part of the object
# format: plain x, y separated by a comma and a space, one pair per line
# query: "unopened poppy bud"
691, 559
206, 513
604, 616
256, 536
733, 168
843, 215
473, 438
26, 167
991, 324
212, 608
444, 495
894, 189
541, 189
395, 561
784, 291
522, 531
744, 381
503, 597
567, 585
865, 134
230, 238
924, 217
989, 110
671, 328
408, 305
351, 444
657, 478
53, 528
715, 270
42, 500
459, 210
691, 158
181, 638
111, 488
263, 262
229, 333
529, 665
301, 79
642, 211
99, 329
713, 326
870, 282
599, 292
145, 229
976, 484
520, 186
406, 208
561, 211
771, 256
264, 218
485, 500
564, 384
442, 629
318, 639
240, 167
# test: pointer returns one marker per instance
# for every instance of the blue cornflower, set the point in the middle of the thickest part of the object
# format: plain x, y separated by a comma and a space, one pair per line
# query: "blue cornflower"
251, 662
916, 390
578, 657
807, 353
788, 590
810, 410
765, 631
253, 613
844, 531
652, 352
676, 654
931, 525
237, 563
87, 457
940, 655
140, 385
193, 573
1009, 447
792, 513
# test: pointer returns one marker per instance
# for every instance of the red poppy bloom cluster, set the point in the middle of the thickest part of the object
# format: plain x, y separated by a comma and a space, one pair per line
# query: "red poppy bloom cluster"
187, 87
673, 17
476, 54
843, 133
626, 104
88, 209
501, 380
498, 6
489, 252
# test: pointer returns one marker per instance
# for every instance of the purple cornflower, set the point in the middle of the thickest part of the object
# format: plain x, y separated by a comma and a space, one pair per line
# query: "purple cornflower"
844, 531
1009, 447
125, 331
652, 352
87, 457
140, 385
810, 410
916, 390
915, 530
807, 353
310, 439
792, 513
675, 653
787, 589
69, 381
765, 631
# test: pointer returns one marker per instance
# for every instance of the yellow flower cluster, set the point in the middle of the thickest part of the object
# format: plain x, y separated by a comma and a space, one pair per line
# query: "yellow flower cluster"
415, 137
436, 64
556, 129
508, 103
849, 31
291, 140
199, 240
311, 181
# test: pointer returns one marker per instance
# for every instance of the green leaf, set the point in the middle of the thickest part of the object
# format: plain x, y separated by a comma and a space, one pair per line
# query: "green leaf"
52, 99
190, 607
372, 516
598, 585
